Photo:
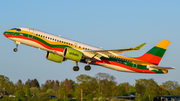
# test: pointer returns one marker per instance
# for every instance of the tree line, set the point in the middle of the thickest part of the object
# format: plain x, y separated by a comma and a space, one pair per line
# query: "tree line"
101, 86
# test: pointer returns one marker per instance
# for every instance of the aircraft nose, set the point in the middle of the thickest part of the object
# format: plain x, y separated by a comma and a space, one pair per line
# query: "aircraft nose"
5, 33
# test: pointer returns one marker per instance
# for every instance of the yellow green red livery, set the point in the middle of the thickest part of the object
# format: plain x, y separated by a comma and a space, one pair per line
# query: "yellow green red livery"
60, 49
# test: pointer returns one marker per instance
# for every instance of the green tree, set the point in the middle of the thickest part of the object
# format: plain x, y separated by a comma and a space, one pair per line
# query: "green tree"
142, 85
34, 83
50, 92
62, 90
87, 84
20, 94
132, 90
56, 87
149, 94
106, 84
6, 86
10, 88
172, 87
26, 90
19, 85
34, 91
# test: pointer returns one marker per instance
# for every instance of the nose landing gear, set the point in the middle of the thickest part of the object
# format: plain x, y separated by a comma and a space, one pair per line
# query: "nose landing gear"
15, 49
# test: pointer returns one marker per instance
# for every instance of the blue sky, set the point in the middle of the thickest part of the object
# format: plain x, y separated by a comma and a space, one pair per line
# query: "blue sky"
109, 24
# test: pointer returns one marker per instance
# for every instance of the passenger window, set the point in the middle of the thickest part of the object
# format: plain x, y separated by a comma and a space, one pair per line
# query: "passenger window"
79, 46
55, 40
36, 34
48, 37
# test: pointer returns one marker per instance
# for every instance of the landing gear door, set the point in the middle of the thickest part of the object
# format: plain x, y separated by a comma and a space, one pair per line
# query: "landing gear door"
31, 32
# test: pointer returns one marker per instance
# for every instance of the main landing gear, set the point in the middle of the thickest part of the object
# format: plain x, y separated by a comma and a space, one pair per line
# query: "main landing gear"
87, 68
76, 68
16, 49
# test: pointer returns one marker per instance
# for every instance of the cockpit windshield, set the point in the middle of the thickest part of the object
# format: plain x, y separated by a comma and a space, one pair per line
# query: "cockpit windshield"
17, 29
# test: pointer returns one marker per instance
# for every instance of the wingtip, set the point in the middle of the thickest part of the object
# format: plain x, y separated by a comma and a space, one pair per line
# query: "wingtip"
139, 46
173, 68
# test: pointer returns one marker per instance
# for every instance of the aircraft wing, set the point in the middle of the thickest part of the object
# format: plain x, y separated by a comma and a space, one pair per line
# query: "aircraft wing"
99, 53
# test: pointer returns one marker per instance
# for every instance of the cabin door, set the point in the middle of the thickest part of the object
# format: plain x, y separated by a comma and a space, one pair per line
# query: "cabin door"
31, 32
135, 63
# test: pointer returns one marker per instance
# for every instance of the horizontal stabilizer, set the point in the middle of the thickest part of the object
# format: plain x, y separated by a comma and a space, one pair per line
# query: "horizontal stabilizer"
157, 67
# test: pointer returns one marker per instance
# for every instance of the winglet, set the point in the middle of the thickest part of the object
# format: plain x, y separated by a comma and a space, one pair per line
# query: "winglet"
139, 47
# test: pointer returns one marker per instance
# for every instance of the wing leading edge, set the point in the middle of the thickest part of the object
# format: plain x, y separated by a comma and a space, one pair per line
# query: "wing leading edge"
99, 53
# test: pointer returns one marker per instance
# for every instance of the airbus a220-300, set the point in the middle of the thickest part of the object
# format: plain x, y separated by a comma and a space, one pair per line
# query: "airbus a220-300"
60, 49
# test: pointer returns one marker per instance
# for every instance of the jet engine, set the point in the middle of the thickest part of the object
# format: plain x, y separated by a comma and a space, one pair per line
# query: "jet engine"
73, 54
54, 57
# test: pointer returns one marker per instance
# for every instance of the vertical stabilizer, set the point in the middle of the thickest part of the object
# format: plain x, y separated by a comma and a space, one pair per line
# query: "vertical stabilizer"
155, 54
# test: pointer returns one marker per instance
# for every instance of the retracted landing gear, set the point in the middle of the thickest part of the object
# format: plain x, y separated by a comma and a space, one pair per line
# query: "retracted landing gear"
76, 68
87, 68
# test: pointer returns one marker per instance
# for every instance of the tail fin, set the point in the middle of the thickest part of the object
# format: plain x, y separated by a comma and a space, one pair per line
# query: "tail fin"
155, 54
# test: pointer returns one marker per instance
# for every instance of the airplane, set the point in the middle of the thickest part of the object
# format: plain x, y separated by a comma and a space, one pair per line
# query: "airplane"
60, 49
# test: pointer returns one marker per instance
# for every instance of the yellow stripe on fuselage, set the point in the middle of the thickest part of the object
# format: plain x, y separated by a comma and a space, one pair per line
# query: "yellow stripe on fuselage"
48, 41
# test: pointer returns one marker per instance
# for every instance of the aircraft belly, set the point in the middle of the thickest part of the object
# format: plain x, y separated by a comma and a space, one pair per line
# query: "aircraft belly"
114, 67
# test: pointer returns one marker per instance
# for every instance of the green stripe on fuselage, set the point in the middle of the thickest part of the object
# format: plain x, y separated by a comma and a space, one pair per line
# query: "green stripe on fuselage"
36, 38
157, 51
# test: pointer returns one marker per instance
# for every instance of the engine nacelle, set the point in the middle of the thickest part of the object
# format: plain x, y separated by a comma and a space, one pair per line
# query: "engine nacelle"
73, 54
54, 57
